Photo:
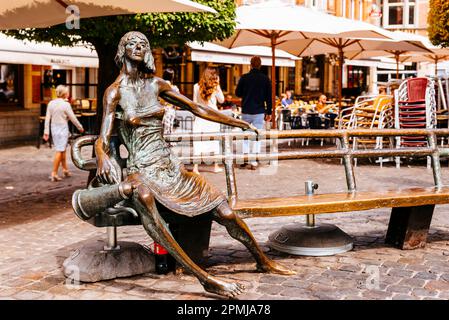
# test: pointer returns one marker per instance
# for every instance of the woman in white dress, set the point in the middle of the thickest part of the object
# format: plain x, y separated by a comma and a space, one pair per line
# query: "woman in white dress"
207, 92
58, 113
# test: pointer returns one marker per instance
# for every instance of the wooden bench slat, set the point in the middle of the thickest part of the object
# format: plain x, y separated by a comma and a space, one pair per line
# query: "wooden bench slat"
340, 202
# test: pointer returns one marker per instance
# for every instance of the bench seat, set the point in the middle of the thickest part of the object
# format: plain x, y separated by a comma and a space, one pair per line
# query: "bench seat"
341, 202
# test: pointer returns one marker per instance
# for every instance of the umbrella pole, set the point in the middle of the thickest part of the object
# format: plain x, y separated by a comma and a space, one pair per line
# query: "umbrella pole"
340, 76
436, 67
273, 82
396, 56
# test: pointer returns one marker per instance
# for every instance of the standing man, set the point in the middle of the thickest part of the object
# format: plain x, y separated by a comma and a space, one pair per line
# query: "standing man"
254, 88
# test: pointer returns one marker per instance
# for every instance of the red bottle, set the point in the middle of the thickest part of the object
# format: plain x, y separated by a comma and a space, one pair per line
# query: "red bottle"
161, 259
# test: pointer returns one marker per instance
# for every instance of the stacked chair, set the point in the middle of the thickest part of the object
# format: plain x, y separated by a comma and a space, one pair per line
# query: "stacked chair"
369, 112
415, 108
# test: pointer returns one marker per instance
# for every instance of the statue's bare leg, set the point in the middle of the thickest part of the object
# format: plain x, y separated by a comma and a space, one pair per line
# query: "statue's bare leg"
238, 229
158, 230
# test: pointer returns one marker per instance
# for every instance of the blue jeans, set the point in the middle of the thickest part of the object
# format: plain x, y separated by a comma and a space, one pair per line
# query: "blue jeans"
256, 120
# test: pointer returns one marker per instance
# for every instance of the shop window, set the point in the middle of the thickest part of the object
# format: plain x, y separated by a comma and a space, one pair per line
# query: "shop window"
313, 73
357, 80
11, 85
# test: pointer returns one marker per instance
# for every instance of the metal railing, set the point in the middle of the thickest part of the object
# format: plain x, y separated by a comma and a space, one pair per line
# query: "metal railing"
345, 152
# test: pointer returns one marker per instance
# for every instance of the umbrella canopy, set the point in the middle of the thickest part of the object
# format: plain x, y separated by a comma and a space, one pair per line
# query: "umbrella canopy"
278, 24
436, 54
403, 45
19, 14
353, 47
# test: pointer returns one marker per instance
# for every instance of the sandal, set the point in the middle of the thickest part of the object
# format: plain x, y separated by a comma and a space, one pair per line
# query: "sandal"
55, 178
67, 174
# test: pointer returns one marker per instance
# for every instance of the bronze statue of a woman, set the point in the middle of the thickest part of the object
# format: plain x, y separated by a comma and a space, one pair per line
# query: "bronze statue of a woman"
156, 175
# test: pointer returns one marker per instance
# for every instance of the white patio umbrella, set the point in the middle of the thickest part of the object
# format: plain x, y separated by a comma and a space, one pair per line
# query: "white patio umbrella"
19, 14
278, 24
405, 44
349, 45
437, 54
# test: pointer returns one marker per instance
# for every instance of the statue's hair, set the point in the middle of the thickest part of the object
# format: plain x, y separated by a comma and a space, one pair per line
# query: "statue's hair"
148, 63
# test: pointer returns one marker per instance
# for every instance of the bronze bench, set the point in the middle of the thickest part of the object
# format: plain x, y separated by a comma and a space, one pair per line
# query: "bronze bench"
412, 208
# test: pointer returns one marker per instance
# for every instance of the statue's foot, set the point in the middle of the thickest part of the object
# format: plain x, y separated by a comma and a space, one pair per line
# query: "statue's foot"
223, 288
274, 267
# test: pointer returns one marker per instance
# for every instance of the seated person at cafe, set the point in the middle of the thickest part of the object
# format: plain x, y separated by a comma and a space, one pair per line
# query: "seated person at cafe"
287, 100
228, 104
322, 107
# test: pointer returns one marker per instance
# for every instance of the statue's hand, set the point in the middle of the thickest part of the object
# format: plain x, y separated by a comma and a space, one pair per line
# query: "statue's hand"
253, 128
108, 170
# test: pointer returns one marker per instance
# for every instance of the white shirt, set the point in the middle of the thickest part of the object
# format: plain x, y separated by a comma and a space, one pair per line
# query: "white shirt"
60, 111
212, 102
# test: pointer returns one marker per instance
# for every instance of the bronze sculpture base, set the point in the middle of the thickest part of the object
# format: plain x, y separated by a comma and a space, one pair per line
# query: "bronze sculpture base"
319, 240
91, 263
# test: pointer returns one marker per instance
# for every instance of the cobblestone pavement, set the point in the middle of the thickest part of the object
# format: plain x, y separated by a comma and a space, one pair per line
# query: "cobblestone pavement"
38, 231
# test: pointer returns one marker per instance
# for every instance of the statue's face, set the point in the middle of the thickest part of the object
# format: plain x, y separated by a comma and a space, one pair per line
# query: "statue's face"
136, 48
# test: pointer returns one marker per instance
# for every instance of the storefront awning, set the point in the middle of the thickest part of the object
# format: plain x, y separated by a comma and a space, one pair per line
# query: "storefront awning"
26, 52
384, 63
209, 52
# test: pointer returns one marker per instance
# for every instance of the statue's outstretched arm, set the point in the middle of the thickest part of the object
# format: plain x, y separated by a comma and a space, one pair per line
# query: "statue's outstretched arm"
177, 99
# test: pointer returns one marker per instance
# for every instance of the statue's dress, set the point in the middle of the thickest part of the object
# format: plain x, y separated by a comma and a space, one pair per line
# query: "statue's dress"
183, 192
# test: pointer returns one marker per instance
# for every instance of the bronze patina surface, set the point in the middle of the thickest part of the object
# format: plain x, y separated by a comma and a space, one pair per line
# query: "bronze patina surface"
156, 175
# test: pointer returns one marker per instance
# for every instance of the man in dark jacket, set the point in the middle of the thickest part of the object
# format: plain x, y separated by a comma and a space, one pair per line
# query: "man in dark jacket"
254, 88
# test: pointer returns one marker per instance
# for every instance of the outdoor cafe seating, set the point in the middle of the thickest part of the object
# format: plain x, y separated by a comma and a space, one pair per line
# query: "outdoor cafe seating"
369, 112
302, 115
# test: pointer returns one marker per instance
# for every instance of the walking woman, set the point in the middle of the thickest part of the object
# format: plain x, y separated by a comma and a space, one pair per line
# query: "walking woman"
59, 112
207, 92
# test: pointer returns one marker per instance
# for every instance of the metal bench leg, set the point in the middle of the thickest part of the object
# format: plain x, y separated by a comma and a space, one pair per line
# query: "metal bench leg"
111, 243
409, 226
193, 237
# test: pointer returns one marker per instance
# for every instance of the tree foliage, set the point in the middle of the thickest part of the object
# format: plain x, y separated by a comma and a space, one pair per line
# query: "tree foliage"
161, 28
438, 22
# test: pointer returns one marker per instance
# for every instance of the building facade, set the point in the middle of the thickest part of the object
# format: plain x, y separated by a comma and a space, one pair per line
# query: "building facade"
317, 74
29, 73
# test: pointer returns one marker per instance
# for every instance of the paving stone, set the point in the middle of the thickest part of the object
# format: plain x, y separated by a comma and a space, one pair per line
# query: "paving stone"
437, 285
398, 289
417, 283
352, 297
269, 289
273, 279
350, 268
403, 297
400, 273
424, 293
425, 276
445, 277
297, 283
376, 294
418, 268
296, 293
27, 295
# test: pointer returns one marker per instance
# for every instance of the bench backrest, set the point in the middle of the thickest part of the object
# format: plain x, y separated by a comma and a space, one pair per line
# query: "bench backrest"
346, 153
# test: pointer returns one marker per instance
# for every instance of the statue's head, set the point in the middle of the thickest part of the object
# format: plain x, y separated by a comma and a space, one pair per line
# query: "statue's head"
135, 47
